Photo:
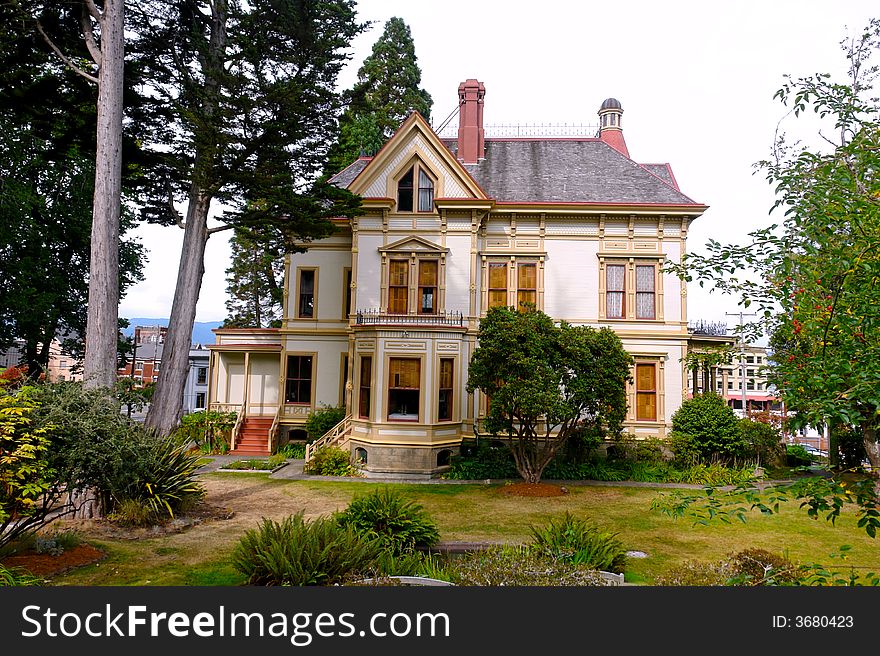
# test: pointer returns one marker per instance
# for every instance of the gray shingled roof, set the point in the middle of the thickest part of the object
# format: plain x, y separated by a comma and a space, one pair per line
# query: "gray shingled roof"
568, 171
661, 171
347, 175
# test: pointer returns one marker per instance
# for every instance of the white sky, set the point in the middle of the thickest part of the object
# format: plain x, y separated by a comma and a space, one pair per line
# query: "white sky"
696, 81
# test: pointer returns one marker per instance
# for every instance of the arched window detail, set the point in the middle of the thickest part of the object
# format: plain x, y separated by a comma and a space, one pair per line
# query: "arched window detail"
410, 196
426, 192
405, 192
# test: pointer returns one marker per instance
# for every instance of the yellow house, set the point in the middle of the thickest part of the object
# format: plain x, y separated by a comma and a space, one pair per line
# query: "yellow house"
382, 317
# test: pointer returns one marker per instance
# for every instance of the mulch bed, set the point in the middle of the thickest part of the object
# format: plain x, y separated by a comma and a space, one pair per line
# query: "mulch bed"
533, 490
46, 565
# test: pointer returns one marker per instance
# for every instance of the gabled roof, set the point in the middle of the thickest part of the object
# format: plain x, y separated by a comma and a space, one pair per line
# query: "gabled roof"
366, 176
570, 171
347, 175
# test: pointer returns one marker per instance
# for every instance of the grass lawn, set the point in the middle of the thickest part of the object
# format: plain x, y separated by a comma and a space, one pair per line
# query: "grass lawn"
200, 555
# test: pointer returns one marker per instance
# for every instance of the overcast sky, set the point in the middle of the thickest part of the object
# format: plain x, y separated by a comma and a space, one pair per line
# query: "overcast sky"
696, 81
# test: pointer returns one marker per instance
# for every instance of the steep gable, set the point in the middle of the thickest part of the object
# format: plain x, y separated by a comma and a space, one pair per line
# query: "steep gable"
414, 139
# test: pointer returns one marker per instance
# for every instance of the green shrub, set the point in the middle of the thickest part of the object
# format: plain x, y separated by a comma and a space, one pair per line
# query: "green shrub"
579, 542
626, 447
712, 427
297, 552
850, 446
693, 573
797, 456
751, 567
763, 442
94, 446
211, 431
331, 461
384, 514
134, 513
482, 461
56, 543
518, 566
25, 463
496, 462
276, 460
322, 420
15, 576
762, 567
293, 450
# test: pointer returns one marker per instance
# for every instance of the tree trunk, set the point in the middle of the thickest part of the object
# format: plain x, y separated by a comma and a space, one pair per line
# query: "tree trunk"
167, 402
872, 448
86, 503
99, 365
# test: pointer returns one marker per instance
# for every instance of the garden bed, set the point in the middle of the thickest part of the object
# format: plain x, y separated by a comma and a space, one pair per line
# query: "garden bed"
251, 466
45, 565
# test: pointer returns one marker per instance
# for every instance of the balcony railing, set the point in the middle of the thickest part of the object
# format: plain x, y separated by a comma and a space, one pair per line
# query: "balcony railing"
378, 317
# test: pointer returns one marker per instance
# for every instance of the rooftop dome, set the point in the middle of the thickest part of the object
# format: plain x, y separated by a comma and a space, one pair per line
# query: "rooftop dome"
610, 103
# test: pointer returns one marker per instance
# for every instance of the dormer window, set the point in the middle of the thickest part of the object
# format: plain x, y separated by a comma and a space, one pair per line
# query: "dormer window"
406, 191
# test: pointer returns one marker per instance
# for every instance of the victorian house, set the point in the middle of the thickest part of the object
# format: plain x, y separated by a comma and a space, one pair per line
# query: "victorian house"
382, 317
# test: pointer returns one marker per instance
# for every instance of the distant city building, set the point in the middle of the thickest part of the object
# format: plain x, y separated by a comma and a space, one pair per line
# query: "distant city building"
12, 356
195, 393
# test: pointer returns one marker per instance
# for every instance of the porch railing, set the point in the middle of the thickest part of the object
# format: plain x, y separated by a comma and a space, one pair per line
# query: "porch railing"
273, 431
239, 420
336, 436
378, 317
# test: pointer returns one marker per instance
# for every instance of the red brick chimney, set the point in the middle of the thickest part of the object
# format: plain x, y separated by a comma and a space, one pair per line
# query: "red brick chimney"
471, 147
610, 130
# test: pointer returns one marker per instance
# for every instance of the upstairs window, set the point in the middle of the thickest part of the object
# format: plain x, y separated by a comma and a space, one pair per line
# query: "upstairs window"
426, 192
398, 287
408, 193
202, 376
405, 192
526, 285
615, 275
497, 284
306, 304
645, 299
428, 286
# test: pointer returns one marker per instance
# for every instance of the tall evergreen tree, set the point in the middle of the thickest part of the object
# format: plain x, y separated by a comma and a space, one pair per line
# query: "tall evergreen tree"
102, 63
255, 282
48, 121
386, 92
244, 112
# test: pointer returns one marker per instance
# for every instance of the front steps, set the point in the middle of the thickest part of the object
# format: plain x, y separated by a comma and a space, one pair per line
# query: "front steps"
253, 438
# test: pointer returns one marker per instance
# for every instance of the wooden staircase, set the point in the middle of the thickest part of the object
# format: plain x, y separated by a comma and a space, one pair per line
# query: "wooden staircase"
337, 436
253, 437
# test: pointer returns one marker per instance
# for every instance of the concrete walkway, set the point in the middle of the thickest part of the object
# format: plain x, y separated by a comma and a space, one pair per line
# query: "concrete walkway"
294, 472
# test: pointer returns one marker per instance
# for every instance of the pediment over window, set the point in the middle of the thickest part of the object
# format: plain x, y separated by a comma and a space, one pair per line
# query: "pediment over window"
413, 244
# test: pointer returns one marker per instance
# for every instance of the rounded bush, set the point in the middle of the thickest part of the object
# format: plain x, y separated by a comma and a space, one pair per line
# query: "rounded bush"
709, 427
297, 552
384, 514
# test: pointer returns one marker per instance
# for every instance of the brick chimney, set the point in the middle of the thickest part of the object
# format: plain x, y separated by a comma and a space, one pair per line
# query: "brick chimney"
471, 147
610, 130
